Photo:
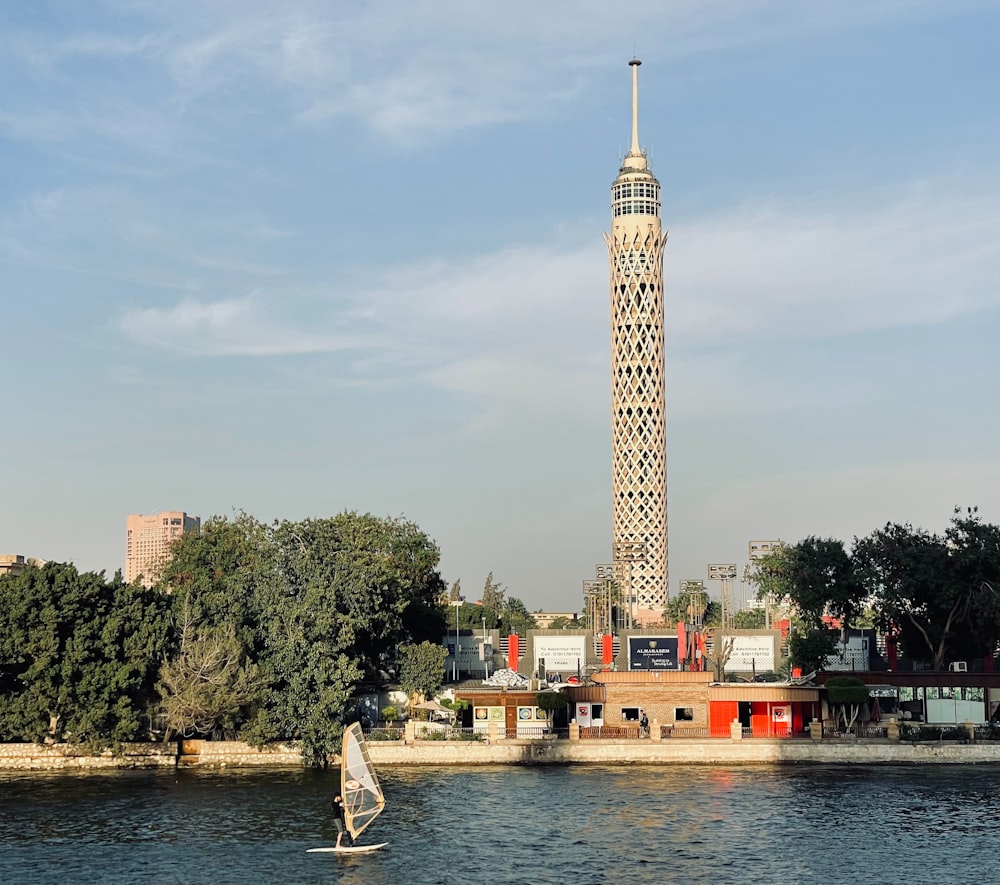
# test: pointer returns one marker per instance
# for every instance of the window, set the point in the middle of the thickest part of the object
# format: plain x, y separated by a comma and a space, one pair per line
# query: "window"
683, 714
630, 714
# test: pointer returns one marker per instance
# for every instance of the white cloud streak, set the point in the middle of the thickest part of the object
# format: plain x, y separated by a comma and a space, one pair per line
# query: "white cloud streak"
527, 325
411, 71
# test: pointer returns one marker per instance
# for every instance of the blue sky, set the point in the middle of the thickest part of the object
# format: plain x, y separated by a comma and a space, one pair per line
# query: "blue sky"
301, 257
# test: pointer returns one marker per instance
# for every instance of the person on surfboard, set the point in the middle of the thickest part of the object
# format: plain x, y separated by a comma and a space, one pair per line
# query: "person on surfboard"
338, 819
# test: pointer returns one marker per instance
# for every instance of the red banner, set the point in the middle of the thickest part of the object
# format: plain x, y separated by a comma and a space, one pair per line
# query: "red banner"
607, 650
513, 652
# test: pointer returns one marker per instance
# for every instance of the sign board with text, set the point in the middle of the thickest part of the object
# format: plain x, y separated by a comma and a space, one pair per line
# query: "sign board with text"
652, 653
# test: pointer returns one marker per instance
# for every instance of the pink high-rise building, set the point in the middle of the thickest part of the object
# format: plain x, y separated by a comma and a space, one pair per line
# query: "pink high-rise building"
149, 539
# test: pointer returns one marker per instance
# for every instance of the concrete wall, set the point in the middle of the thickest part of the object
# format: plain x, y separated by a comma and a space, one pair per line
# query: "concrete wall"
685, 751
46, 757
680, 751
236, 753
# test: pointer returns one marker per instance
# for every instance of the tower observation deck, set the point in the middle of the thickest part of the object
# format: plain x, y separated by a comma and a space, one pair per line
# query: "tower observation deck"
638, 411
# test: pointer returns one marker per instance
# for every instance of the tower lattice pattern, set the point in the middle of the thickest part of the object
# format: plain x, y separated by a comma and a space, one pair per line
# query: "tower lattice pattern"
639, 472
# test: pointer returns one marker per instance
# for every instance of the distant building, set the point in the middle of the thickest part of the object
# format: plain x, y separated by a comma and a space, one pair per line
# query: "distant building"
544, 619
149, 539
14, 564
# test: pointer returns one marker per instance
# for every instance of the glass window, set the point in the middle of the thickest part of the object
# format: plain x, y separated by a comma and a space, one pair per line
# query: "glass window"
683, 714
630, 714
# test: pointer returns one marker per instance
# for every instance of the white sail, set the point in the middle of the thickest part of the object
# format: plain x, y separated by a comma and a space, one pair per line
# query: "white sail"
363, 800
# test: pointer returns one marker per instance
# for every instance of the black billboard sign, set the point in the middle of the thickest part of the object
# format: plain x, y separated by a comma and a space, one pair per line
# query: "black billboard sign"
652, 653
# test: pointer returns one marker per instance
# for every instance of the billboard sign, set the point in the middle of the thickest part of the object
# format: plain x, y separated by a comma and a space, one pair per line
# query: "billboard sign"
652, 653
750, 653
565, 655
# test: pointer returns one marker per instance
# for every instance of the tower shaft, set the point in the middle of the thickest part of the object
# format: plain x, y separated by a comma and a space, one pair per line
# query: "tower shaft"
638, 410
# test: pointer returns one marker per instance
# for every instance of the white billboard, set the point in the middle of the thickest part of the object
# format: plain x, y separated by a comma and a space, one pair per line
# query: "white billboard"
565, 655
750, 653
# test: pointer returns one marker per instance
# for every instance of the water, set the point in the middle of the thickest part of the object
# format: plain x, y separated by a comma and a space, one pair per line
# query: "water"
584, 824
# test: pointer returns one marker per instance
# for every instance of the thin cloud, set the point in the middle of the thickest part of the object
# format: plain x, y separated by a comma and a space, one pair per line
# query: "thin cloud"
233, 327
410, 71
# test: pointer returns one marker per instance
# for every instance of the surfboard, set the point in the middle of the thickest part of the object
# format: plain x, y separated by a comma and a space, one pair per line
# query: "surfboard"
345, 849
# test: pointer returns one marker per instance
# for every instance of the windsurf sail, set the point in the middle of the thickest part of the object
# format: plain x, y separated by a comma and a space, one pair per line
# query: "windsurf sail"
363, 800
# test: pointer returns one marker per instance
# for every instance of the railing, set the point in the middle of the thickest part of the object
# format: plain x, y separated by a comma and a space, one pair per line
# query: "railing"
384, 733
857, 731
621, 732
695, 731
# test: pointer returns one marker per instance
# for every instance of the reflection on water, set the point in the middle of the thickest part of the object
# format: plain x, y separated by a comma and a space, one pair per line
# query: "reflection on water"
581, 824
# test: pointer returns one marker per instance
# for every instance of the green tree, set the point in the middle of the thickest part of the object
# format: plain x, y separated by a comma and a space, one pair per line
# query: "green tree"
687, 606
939, 594
493, 601
846, 695
320, 606
551, 702
816, 576
79, 654
749, 619
209, 685
515, 617
811, 645
421, 668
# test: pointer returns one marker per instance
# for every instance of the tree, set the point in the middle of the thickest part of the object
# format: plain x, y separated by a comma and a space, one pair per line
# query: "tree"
562, 623
516, 618
815, 575
319, 605
687, 607
722, 651
818, 578
421, 668
938, 594
551, 702
749, 619
846, 696
208, 686
493, 601
79, 655
810, 646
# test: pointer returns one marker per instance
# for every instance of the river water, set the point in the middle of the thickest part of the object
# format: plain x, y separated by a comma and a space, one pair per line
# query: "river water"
494, 825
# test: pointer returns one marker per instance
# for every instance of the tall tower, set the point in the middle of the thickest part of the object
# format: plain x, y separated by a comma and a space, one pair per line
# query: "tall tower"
638, 411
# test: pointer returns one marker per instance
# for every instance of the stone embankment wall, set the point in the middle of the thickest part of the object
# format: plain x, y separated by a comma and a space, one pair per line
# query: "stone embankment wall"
56, 757
686, 751
674, 751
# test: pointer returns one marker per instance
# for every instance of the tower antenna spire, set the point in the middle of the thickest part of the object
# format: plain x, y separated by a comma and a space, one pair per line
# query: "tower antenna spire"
634, 151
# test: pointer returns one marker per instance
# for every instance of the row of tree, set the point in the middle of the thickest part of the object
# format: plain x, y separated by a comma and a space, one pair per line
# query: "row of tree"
936, 595
259, 631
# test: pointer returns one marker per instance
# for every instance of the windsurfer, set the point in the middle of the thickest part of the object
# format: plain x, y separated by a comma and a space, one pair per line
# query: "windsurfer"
338, 819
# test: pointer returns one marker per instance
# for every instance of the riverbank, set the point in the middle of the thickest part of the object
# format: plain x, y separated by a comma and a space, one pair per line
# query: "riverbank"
684, 751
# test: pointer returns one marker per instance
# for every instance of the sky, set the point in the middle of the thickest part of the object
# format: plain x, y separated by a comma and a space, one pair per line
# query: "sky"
298, 258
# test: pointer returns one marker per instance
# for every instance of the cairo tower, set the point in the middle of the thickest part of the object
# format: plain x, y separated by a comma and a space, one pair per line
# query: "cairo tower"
638, 411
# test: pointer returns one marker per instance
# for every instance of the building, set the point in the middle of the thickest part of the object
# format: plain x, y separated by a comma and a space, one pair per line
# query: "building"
638, 412
14, 563
544, 619
148, 542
